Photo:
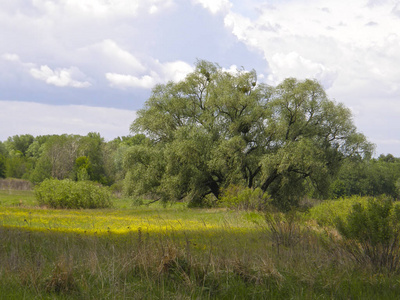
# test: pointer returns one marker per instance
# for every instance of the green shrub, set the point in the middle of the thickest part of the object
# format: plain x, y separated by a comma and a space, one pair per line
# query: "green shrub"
236, 197
70, 194
327, 212
372, 233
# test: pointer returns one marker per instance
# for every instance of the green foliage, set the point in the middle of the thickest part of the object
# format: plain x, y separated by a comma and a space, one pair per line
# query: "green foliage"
70, 194
236, 197
327, 212
55, 156
397, 186
18, 166
368, 177
19, 143
217, 128
66, 156
83, 168
3, 150
143, 178
375, 229
2, 166
17, 161
91, 146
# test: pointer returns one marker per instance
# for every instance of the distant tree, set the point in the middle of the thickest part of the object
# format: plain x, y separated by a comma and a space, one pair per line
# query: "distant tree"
389, 158
3, 150
217, 128
69, 156
17, 166
114, 153
133, 140
57, 157
91, 146
369, 177
2, 166
15, 159
19, 143
83, 169
3, 155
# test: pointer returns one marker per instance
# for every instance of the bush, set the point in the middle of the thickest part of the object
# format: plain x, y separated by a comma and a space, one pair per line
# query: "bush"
327, 212
70, 194
236, 197
372, 233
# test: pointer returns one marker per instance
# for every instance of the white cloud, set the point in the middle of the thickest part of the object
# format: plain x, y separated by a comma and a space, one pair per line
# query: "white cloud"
396, 10
332, 41
111, 54
157, 73
239, 25
10, 57
59, 77
153, 9
294, 65
214, 6
41, 119
124, 69
124, 81
175, 71
102, 8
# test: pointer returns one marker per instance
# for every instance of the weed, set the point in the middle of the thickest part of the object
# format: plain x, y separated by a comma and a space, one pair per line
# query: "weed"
62, 279
284, 230
372, 234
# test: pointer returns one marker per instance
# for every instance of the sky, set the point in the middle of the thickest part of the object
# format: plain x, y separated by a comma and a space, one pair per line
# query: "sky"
79, 66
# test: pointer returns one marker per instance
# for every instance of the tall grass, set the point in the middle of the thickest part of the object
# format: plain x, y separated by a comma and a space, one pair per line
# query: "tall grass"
186, 264
198, 254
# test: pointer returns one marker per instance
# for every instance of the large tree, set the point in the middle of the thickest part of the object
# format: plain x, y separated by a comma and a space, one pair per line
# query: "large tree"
217, 128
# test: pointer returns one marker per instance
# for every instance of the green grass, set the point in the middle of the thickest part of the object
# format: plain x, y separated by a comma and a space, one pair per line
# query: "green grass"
118, 221
17, 198
174, 253
153, 218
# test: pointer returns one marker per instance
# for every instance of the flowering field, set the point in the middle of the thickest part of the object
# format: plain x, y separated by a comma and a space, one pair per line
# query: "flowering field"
121, 221
176, 253
19, 210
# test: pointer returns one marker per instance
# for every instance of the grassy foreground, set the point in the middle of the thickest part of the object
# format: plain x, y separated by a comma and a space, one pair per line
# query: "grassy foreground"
175, 253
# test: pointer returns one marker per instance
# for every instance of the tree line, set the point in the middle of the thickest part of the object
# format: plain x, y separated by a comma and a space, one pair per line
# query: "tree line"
65, 156
216, 129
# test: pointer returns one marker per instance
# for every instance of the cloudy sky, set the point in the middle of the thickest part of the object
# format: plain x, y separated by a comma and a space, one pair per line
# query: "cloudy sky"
75, 66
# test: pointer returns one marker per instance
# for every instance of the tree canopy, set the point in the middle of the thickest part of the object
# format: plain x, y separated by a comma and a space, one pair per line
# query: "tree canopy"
218, 128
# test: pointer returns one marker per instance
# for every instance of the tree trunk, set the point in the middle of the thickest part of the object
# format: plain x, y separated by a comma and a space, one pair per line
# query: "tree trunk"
215, 189
271, 178
251, 176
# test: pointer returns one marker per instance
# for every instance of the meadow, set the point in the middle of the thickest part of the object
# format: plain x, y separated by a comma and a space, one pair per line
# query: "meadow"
156, 252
